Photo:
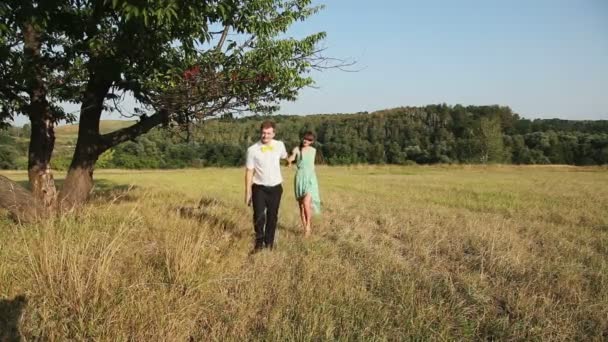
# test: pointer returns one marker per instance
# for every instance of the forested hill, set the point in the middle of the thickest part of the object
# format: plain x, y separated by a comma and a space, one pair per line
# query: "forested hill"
430, 134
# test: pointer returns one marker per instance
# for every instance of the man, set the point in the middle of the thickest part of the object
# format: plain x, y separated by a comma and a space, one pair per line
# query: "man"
263, 181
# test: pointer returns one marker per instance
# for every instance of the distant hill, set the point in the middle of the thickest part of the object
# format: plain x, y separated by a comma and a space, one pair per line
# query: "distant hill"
405, 135
68, 133
14, 143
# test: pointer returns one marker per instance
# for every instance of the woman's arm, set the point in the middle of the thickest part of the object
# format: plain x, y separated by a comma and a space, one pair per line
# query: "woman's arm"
293, 155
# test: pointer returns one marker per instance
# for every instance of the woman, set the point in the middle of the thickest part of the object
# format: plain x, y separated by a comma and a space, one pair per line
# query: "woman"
305, 185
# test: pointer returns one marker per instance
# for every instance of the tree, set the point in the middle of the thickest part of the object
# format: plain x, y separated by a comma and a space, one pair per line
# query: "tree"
25, 80
8, 157
491, 141
177, 58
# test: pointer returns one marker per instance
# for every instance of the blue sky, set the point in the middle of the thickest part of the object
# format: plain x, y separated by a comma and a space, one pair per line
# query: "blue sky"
542, 58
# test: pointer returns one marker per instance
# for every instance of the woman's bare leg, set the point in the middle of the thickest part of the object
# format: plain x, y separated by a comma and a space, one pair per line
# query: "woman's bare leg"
302, 213
308, 212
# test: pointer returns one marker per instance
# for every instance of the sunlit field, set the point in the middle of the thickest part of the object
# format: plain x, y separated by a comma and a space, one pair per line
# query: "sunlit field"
399, 253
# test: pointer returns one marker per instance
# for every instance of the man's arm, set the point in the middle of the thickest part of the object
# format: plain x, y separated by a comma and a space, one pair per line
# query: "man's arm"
284, 154
248, 185
249, 165
292, 157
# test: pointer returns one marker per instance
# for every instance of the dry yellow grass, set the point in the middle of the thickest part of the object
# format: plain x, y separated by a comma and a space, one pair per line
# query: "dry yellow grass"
440, 253
67, 134
105, 127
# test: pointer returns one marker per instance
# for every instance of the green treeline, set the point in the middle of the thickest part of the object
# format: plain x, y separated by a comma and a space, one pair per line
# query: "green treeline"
423, 135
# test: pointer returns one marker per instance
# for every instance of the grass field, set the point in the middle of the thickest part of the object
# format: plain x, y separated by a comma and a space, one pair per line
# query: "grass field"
65, 142
66, 135
70, 132
399, 253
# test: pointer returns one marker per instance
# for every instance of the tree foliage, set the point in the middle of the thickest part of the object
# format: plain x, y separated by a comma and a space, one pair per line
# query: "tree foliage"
186, 56
183, 61
431, 134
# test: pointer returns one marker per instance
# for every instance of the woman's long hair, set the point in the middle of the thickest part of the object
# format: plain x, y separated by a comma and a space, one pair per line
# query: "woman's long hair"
306, 136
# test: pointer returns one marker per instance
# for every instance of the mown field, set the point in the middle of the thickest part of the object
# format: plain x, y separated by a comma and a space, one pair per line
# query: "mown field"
399, 253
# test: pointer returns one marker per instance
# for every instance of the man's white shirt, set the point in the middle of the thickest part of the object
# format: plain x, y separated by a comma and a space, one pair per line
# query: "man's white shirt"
265, 161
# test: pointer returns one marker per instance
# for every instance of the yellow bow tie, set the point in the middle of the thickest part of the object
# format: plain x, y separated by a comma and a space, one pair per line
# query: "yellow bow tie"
267, 148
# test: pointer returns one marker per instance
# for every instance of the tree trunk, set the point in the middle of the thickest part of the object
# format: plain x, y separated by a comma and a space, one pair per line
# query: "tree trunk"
20, 203
79, 181
42, 136
77, 187
42, 142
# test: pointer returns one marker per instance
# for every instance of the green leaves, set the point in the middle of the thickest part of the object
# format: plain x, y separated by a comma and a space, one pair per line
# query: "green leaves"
144, 47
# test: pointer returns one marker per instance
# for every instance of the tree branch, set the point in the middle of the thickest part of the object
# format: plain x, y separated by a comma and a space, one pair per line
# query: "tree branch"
91, 27
222, 38
128, 133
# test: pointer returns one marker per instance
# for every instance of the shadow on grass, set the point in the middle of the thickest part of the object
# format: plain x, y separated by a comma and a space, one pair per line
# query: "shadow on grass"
10, 313
103, 190
295, 229
215, 213
26, 183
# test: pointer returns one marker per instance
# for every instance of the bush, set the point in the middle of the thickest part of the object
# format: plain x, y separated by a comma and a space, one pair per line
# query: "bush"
8, 157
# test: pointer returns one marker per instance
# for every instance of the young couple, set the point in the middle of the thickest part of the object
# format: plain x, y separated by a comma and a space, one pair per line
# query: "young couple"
263, 181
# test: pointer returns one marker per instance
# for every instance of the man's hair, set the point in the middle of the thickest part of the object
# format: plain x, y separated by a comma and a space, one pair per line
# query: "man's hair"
268, 124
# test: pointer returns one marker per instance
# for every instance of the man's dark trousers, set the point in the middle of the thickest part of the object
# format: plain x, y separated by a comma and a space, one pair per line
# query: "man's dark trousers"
266, 200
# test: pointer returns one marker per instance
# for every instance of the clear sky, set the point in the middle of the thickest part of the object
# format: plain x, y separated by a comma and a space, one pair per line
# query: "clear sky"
543, 58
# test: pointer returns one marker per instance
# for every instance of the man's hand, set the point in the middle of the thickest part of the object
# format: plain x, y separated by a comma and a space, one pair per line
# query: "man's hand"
248, 199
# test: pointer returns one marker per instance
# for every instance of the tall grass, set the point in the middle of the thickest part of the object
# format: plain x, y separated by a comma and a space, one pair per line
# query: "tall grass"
499, 253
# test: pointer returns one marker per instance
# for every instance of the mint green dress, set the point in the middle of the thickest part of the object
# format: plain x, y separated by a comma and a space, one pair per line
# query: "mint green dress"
306, 179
